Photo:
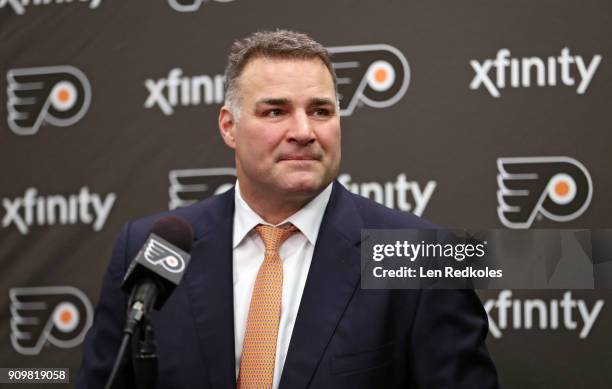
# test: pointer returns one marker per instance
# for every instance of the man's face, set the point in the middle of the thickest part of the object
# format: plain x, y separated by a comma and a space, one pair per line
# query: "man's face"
287, 136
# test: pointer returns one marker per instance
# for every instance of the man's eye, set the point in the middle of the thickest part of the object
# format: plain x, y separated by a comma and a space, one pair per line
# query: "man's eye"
274, 113
321, 112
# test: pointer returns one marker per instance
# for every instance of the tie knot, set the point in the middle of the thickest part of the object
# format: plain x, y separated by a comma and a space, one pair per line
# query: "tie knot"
273, 237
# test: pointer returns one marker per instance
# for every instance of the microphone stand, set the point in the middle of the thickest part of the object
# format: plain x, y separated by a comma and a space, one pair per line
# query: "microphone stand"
145, 360
145, 363
133, 319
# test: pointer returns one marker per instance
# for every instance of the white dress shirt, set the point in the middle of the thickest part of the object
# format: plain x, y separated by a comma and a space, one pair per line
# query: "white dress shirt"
296, 255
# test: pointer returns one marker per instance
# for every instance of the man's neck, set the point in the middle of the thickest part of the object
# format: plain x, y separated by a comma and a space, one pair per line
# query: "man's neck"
274, 209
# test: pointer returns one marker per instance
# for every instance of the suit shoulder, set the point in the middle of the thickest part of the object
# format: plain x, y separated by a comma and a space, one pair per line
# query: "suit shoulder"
375, 215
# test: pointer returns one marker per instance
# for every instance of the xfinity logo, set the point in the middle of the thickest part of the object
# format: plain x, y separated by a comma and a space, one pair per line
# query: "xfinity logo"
190, 5
177, 89
34, 209
400, 194
505, 312
19, 6
533, 71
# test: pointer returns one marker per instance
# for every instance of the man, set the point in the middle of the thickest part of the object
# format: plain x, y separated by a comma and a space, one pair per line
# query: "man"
271, 298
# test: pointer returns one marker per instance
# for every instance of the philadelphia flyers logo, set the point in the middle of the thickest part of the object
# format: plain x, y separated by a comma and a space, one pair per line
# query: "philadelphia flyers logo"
188, 186
160, 254
57, 95
190, 5
375, 75
558, 188
57, 315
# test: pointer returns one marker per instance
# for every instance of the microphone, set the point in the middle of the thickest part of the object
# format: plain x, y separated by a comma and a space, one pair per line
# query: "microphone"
158, 268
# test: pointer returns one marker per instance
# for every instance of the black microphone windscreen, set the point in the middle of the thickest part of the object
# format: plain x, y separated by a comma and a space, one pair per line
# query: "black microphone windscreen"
175, 230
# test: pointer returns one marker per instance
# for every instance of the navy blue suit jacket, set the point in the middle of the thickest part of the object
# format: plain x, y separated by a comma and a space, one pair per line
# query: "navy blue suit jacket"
344, 336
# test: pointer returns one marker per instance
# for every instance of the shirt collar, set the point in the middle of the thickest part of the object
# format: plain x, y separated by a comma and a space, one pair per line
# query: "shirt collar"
307, 219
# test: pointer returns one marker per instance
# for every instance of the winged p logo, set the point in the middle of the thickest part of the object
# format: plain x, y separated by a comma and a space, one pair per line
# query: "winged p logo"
376, 75
559, 188
158, 254
58, 95
188, 186
58, 315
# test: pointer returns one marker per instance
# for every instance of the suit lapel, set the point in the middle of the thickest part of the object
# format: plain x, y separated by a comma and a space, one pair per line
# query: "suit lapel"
209, 284
333, 276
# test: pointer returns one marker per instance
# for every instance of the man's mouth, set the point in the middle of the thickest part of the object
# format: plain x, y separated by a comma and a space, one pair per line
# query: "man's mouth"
298, 157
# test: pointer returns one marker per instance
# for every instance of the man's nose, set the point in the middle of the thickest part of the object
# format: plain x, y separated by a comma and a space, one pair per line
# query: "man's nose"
301, 130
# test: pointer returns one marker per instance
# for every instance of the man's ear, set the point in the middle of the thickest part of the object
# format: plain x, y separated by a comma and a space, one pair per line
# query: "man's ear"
227, 126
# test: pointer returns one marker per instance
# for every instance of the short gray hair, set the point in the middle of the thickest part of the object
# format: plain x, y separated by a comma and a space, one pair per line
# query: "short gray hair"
282, 44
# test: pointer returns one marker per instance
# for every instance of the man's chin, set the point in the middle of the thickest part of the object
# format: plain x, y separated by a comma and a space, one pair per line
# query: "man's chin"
303, 184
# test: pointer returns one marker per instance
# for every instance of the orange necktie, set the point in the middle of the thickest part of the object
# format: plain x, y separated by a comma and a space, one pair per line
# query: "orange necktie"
259, 347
